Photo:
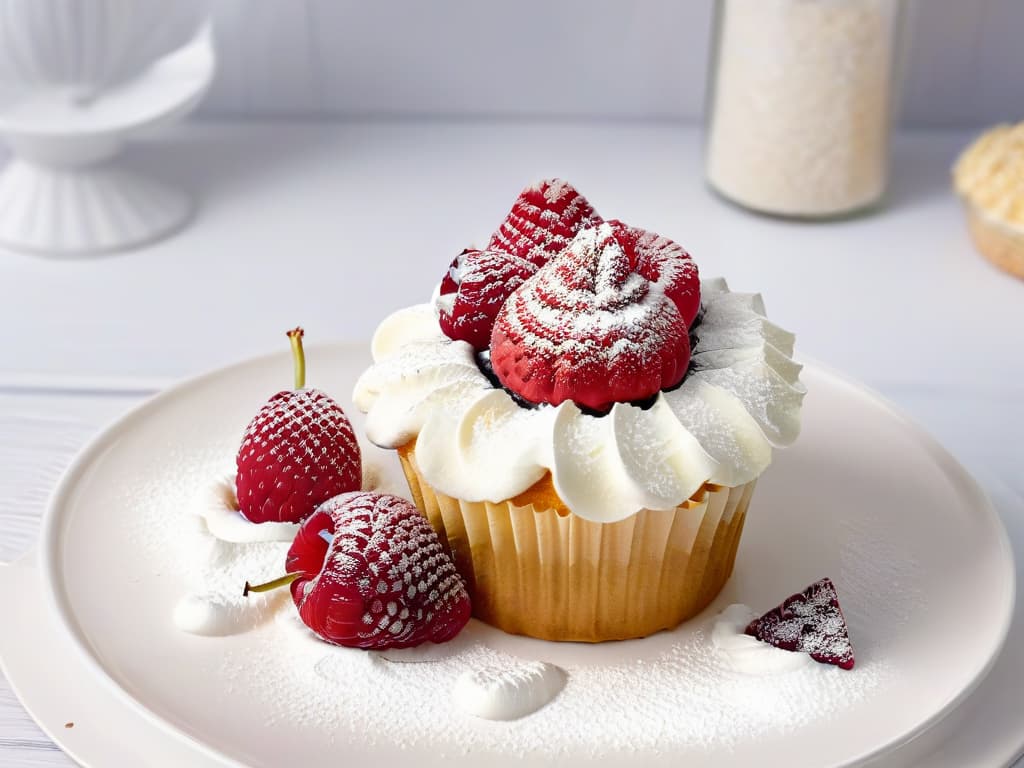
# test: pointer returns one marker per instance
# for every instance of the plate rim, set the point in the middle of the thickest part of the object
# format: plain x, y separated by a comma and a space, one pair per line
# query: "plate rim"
60, 610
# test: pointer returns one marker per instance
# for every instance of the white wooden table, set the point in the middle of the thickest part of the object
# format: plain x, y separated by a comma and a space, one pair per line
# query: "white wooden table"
333, 225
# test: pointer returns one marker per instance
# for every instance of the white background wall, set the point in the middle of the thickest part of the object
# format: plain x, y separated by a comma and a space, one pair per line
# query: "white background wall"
610, 58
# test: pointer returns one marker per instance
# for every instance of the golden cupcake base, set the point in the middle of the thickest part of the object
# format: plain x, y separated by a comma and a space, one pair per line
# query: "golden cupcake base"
534, 568
1000, 243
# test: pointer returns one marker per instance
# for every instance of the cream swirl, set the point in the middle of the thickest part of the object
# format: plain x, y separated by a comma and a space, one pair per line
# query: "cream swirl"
474, 442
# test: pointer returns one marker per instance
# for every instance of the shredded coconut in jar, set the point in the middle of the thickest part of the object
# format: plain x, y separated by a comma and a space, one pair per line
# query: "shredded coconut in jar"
800, 105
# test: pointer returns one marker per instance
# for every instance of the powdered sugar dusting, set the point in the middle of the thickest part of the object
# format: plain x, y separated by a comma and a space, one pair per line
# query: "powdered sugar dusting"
746, 654
671, 692
685, 697
665, 263
218, 507
810, 622
179, 545
880, 598
589, 321
724, 429
555, 190
507, 691
301, 411
473, 291
384, 555
298, 451
771, 400
543, 220
737, 321
216, 613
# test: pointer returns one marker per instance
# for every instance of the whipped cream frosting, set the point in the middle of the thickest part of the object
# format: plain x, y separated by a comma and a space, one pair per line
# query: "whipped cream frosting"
746, 654
474, 442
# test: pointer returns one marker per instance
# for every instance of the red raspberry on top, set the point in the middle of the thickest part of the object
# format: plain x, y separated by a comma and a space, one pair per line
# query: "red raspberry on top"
297, 452
662, 262
808, 622
474, 289
543, 220
370, 572
588, 327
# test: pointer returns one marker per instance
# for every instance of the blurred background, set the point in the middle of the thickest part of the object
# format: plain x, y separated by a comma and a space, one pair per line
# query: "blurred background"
570, 59
358, 140
321, 162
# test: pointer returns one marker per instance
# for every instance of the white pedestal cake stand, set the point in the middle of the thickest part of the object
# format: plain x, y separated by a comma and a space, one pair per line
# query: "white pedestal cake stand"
63, 194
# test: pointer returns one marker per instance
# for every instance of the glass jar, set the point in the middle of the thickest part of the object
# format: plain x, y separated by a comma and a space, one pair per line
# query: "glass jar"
800, 104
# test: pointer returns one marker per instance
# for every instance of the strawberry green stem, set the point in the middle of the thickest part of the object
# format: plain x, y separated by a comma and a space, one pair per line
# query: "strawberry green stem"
295, 335
282, 581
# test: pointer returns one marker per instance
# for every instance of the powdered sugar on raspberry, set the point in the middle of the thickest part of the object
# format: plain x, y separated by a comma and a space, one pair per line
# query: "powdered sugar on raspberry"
664, 263
297, 452
300, 411
474, 289
384, 556
553, 190
543, 220
589, 328
810, 622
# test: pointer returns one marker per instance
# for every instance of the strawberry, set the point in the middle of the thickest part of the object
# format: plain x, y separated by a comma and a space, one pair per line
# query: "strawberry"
297, 452
543, 220
809, 622
589, 328
368, 571
474, 289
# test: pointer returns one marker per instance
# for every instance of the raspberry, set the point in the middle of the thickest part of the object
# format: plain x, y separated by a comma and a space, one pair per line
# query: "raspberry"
543, 220
809, 622
297, 452
589, 328
384, 580
474, 290
664, 263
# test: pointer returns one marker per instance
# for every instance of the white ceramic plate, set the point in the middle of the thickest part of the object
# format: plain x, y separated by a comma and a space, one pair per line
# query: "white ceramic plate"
917, 552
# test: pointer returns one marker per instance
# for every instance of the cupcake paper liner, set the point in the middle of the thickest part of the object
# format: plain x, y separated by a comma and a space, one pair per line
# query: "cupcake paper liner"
555, 576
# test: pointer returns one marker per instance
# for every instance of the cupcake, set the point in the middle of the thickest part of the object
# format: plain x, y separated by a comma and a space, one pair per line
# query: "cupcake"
989, 177
583, 421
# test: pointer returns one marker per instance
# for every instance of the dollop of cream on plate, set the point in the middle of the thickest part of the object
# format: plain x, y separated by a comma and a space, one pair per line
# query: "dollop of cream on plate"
219, 615
508, 691
744, 653
219, 508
